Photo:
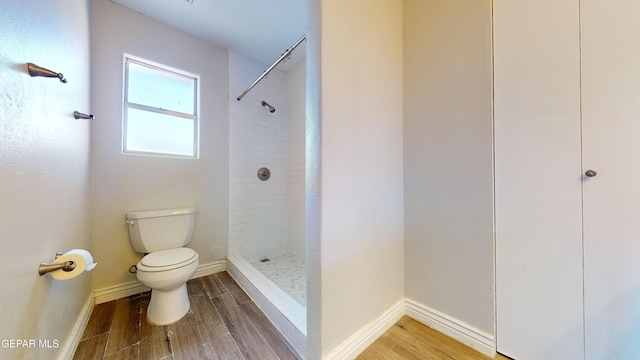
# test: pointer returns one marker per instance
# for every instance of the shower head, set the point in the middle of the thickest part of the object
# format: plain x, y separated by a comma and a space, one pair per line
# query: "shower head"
271, 108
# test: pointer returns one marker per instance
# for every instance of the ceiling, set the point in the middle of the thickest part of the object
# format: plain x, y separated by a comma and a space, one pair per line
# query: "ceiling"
259, 29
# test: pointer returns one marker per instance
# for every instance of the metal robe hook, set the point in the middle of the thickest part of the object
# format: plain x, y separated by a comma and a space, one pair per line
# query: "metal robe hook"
35, 70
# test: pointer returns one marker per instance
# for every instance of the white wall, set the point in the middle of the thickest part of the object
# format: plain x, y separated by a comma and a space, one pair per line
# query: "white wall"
296, 119
313, 211
128, 182
448, 159
44, 162
258, 138
361, 180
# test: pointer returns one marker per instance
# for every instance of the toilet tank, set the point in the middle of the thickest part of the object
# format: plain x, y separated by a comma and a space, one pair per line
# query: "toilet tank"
154, 230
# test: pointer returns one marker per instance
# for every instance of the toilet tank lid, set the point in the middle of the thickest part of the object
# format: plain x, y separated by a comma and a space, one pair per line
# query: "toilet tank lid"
143, 214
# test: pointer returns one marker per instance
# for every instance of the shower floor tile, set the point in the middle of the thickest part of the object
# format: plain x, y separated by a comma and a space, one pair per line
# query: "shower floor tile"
288, 272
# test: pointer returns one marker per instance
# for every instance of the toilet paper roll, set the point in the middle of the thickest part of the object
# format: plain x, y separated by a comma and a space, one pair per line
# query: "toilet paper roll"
82, 259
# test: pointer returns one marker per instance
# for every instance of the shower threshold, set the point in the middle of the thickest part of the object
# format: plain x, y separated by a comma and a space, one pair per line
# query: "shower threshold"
286, 314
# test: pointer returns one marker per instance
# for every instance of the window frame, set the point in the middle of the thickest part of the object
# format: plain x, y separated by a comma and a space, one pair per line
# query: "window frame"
127, 58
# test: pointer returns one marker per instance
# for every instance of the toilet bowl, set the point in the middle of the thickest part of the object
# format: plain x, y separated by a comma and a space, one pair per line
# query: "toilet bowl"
167, 265
166, 273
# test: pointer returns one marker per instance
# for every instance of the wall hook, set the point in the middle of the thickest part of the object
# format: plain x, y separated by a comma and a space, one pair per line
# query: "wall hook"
79, 115
35, 70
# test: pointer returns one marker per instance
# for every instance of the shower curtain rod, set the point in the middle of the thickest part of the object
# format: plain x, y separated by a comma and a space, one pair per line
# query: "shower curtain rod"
266, 72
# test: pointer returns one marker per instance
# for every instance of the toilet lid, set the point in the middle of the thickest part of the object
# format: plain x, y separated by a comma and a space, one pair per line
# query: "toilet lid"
167, 259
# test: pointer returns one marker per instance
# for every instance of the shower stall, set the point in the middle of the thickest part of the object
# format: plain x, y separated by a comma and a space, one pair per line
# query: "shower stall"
267, 247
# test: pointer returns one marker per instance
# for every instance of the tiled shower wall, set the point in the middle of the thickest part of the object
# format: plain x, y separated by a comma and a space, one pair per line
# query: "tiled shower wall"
259, 214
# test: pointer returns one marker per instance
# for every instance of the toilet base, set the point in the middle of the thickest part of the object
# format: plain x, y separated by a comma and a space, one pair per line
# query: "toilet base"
166, 307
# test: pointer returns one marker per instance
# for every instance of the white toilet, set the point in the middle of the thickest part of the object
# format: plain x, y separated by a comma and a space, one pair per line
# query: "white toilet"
161, 234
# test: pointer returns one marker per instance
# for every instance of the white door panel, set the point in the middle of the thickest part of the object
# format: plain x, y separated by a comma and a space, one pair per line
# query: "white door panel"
611, 137
537, 179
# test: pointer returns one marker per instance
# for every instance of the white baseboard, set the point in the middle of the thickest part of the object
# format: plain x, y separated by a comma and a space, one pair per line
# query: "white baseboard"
364, 337
71, 344
454, 328
210, 268
119, 291
134, 287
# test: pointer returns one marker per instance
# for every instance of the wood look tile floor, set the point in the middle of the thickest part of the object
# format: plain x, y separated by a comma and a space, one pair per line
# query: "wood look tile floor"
410, 339
223, 323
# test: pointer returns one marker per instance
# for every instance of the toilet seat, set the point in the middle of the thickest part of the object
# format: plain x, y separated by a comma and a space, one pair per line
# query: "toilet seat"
167, 259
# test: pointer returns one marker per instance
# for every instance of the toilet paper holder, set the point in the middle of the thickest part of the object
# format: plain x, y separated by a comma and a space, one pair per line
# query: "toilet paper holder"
45, 268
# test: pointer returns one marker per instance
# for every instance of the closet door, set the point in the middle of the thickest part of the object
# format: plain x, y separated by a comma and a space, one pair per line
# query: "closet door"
538, 179
611, 138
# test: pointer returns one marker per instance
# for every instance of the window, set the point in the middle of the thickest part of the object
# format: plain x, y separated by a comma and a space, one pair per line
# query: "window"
160, 110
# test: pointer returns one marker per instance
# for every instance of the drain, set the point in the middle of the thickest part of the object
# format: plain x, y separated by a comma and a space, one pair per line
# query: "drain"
265, 260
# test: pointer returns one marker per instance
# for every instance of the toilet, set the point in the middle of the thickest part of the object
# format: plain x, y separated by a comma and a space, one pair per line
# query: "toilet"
167, 265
